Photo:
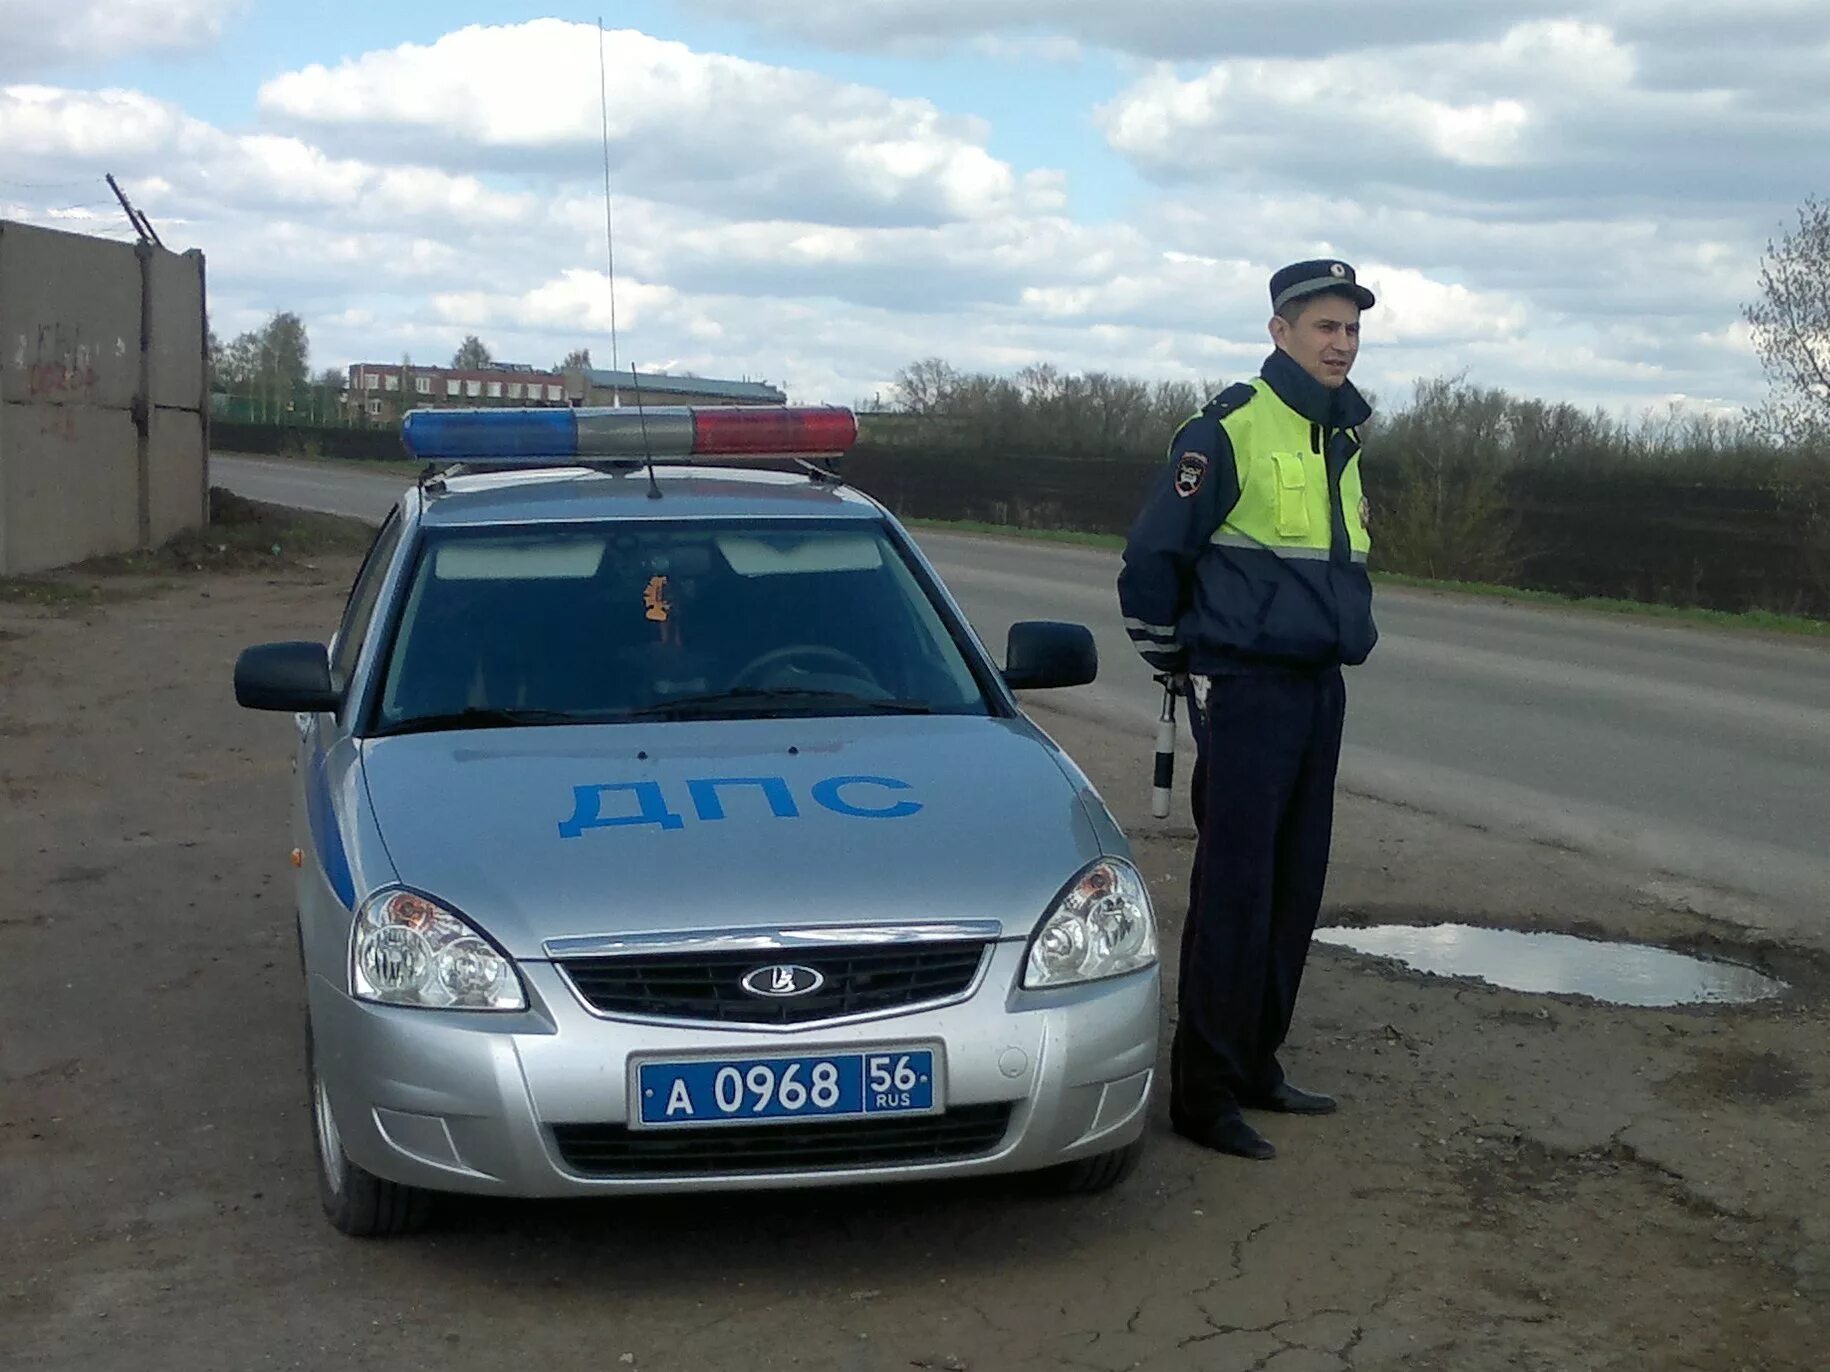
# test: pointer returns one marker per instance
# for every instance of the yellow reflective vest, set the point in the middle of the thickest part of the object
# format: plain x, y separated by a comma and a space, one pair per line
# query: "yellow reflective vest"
1286, 499
1250, 550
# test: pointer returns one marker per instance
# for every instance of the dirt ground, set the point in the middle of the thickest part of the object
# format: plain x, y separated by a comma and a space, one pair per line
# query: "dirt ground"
1514, 1181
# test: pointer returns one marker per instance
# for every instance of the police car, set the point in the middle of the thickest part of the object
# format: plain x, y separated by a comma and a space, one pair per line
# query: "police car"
662, 825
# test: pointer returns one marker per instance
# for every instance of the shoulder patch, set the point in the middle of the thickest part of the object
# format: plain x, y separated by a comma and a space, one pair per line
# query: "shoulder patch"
1191, 471
1230, 399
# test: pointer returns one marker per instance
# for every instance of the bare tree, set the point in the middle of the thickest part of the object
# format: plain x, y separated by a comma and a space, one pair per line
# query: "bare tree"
927, 387
1791, 324
1437, 484
1043, 409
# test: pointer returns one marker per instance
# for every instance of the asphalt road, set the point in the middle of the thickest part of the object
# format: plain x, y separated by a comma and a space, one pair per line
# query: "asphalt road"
1698, 760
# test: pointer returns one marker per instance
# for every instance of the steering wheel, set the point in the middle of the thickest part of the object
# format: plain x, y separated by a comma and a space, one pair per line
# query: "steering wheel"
760, 665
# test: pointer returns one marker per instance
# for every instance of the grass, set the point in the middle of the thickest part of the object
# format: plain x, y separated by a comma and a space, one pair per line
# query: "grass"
1765, 621
242, 536
59, 595
1762, 621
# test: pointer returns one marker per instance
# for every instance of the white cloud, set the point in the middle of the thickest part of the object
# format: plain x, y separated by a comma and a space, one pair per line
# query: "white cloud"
1549, 115
1243, 112
1648, 288
53, 133
576, 299
948, 266
1053, 49
1505, 186
49, 126
1167, 29
1690, 35
1168, 290
708, 130
1415, 309
41, 34
1543, 207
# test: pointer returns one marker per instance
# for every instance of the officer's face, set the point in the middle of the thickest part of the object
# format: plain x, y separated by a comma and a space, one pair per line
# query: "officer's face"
1324, 339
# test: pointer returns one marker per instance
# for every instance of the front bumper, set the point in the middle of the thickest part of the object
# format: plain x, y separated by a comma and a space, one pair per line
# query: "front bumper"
456, 1101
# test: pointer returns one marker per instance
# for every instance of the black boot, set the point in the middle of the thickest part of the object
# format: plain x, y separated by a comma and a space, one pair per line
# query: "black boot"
1285, 1099
1227, 1133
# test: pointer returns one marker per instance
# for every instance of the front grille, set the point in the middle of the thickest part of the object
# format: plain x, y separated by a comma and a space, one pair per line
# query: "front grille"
708, 986
614, 1150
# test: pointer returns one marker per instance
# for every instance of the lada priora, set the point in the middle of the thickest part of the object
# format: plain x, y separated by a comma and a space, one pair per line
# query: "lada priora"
663, 825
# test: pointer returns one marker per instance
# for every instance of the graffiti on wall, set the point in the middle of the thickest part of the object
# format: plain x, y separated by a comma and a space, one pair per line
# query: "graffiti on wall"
60, 364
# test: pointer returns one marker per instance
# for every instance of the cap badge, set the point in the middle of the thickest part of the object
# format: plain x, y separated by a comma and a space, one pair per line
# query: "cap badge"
1337, 269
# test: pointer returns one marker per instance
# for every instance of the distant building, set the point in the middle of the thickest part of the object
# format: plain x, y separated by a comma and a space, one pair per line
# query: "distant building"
596, 386
381, 392
384, 391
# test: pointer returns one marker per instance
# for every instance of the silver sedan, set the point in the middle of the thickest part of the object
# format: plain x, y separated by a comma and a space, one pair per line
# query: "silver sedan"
693, 841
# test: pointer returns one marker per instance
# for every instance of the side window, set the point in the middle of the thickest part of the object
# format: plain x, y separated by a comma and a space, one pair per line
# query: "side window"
362, 597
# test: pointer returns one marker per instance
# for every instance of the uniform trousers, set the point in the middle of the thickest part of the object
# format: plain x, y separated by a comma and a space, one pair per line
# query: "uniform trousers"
1268, 744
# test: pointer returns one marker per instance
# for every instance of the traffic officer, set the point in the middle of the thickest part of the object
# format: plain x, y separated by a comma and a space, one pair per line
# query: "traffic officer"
1245, 573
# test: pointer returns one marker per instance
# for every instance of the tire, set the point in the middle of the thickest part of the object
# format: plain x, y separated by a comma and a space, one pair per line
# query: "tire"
1092, 1175
356, 1201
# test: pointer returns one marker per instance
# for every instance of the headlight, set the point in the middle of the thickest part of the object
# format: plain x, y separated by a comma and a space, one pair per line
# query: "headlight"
408, 950
1102, 926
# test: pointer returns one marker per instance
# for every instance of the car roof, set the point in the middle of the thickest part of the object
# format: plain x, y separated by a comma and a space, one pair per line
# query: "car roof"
579, 495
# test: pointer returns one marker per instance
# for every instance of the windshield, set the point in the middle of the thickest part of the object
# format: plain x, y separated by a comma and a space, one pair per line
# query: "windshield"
699, 619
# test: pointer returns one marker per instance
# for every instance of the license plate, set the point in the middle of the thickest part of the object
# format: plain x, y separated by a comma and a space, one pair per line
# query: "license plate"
777, 1090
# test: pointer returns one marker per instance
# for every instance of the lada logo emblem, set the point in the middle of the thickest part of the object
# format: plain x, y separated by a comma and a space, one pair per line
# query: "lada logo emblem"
782, 980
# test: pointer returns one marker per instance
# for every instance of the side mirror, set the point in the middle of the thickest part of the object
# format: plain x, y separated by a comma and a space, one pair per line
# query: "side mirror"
1041, 654
285, 676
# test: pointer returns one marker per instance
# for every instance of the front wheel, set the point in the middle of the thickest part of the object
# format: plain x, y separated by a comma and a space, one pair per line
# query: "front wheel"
356, 1201
1092, 1175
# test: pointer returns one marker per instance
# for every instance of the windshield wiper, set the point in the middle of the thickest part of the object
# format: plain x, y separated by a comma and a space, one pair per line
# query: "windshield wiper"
482, 717
768, 697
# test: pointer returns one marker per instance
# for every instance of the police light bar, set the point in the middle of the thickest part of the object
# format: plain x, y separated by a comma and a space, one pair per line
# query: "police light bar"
671, 433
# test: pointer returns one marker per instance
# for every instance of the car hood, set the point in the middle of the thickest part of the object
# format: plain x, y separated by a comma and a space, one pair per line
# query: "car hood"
545, 833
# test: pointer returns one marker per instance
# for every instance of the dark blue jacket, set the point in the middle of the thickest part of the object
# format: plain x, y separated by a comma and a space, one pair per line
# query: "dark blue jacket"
1194, 605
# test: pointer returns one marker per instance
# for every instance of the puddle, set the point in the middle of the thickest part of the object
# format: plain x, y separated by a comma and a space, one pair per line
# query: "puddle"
1619, 973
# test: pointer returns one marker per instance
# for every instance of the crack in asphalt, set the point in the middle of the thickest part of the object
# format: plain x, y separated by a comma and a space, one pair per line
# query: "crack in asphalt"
1618, 1149
1362, 1320
1348, 1349
989, 1322
1221, 1330
1277, 1352
1796, 1246
1239, 1247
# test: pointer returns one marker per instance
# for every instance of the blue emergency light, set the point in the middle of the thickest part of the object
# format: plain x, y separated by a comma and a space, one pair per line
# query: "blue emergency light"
671, 433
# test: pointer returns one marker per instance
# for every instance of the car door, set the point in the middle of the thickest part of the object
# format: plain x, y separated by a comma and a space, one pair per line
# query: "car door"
320, 734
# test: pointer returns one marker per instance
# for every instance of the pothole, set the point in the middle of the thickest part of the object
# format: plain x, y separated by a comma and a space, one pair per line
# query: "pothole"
1617, 973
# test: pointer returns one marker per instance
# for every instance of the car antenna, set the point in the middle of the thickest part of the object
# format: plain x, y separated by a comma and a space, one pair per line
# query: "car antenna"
603, 103
654, 487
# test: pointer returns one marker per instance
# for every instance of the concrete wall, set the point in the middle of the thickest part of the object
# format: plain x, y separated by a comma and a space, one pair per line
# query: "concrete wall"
103, 401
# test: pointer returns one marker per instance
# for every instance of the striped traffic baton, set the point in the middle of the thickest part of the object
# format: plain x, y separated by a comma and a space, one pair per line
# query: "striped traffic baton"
1164, 780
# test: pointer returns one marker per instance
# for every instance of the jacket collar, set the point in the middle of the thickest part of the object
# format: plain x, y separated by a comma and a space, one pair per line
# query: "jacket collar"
1337, 409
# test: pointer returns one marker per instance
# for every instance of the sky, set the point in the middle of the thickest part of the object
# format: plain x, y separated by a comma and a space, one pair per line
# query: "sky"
1566, 200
